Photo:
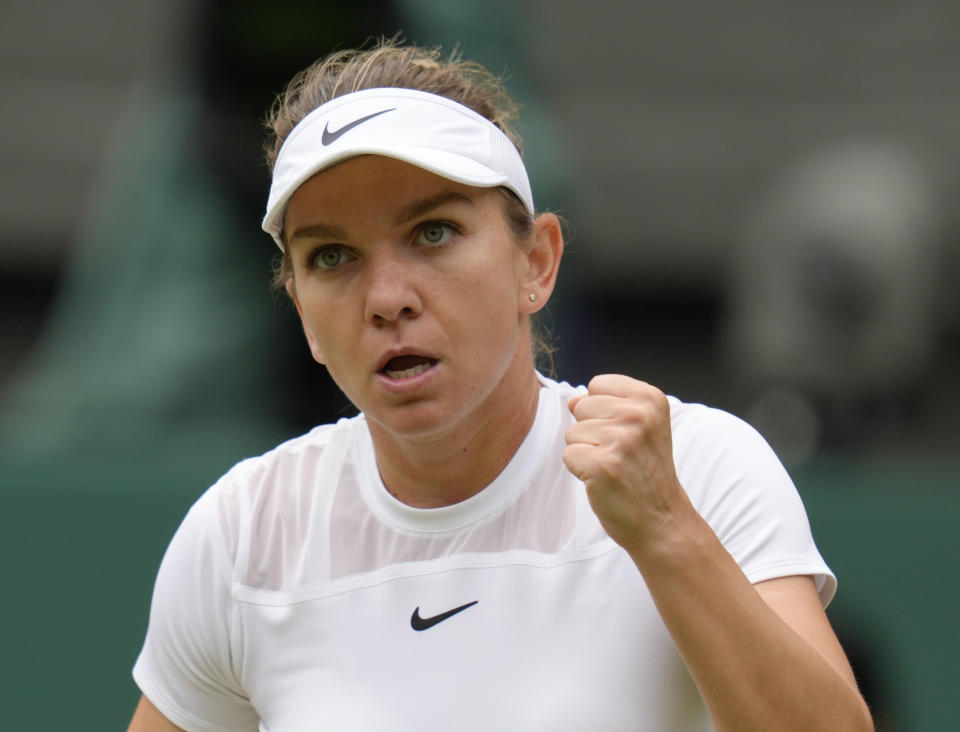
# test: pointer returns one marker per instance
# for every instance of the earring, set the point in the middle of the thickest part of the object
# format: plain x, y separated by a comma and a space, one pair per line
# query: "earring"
532, 297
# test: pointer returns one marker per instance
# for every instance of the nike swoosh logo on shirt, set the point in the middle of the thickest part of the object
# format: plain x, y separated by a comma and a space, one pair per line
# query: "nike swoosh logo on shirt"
330, 136
418, 623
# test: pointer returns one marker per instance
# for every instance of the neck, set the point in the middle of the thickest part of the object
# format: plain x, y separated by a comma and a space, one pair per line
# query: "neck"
448, 468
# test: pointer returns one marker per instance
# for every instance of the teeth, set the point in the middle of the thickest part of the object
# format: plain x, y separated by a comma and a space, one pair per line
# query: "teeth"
407, 373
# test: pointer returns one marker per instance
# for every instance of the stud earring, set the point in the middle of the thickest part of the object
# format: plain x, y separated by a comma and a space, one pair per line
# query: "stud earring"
532, 297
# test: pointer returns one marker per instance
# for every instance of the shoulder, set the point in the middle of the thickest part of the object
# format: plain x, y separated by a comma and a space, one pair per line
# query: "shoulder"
285, 481
691, 419
740, 486
296, 452
703, 434
726, 466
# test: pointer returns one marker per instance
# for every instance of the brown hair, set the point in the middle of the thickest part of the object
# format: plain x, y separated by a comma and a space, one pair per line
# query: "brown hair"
389, 64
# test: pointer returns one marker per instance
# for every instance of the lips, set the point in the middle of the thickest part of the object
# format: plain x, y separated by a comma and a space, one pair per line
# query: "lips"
407, 366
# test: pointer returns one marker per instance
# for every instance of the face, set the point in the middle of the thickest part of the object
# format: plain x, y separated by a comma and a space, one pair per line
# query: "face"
413, 293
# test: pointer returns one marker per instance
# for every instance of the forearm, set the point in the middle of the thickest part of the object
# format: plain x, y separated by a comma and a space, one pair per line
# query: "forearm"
762, 662
753, 670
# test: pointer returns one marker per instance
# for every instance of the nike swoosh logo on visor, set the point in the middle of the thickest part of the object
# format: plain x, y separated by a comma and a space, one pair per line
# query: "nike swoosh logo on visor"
330, 136
418, 623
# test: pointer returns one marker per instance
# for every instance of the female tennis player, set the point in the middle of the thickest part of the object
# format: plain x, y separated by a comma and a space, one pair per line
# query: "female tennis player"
481, 548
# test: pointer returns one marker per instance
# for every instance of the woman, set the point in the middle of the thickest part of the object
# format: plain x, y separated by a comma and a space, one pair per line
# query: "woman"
482, 547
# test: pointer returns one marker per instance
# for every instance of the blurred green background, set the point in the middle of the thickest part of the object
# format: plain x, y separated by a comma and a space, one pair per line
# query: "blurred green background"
762, 214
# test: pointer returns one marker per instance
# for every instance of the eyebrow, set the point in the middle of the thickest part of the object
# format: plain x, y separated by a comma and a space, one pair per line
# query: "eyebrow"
419, 208
318, 231
407, 213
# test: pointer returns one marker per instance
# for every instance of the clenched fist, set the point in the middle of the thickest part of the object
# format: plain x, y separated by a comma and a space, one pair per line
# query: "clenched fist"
621, 448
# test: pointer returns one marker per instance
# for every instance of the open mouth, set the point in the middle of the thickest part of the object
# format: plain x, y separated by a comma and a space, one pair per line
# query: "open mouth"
406, 367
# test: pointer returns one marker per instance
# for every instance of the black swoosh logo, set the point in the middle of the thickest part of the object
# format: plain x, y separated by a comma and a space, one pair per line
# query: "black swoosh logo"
418, 623
329, 137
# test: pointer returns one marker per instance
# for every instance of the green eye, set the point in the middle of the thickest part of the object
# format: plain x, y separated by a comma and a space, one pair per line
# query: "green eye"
330, 257
435, 233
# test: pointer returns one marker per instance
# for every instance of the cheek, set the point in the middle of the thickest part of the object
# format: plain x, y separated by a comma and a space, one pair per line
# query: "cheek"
495, 272
326, 333
322, 321
487, 303
485, 292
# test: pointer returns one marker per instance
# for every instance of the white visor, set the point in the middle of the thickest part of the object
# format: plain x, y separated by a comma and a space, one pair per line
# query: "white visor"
426, 130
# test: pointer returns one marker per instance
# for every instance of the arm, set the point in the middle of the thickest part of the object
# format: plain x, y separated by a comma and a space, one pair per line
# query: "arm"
764, 656
186, 665
147, 718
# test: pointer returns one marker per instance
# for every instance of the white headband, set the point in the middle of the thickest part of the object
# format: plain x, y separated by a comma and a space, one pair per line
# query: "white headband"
426, 130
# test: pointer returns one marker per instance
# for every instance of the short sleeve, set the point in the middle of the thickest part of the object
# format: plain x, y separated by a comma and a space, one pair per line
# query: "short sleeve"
741, 488
188, 667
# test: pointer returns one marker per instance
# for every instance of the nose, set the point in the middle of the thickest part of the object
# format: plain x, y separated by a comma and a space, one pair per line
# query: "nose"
391, 292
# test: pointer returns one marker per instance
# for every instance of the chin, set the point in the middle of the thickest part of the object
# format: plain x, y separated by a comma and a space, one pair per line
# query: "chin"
413, 420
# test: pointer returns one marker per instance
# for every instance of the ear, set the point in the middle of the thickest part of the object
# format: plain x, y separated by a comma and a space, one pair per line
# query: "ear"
543, 262
311, 341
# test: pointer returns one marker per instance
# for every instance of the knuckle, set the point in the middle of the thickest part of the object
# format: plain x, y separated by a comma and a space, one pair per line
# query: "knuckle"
575, 454
610, 462
650, 408
598, 384
579, 409
642, 414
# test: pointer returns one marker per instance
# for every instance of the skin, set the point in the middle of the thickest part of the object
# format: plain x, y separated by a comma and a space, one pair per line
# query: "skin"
760, 654
147, 718
392, 260
463, 301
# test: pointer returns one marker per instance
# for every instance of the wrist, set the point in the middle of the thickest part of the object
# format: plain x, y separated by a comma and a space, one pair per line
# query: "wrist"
676, 537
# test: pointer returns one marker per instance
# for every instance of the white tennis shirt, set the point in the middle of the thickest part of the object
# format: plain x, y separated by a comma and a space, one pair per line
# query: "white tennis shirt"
298, 594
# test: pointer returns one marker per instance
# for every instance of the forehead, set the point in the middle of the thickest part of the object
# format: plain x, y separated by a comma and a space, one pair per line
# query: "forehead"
371, 186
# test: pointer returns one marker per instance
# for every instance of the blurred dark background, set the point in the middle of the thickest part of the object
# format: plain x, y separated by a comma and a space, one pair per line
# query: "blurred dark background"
762, 199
